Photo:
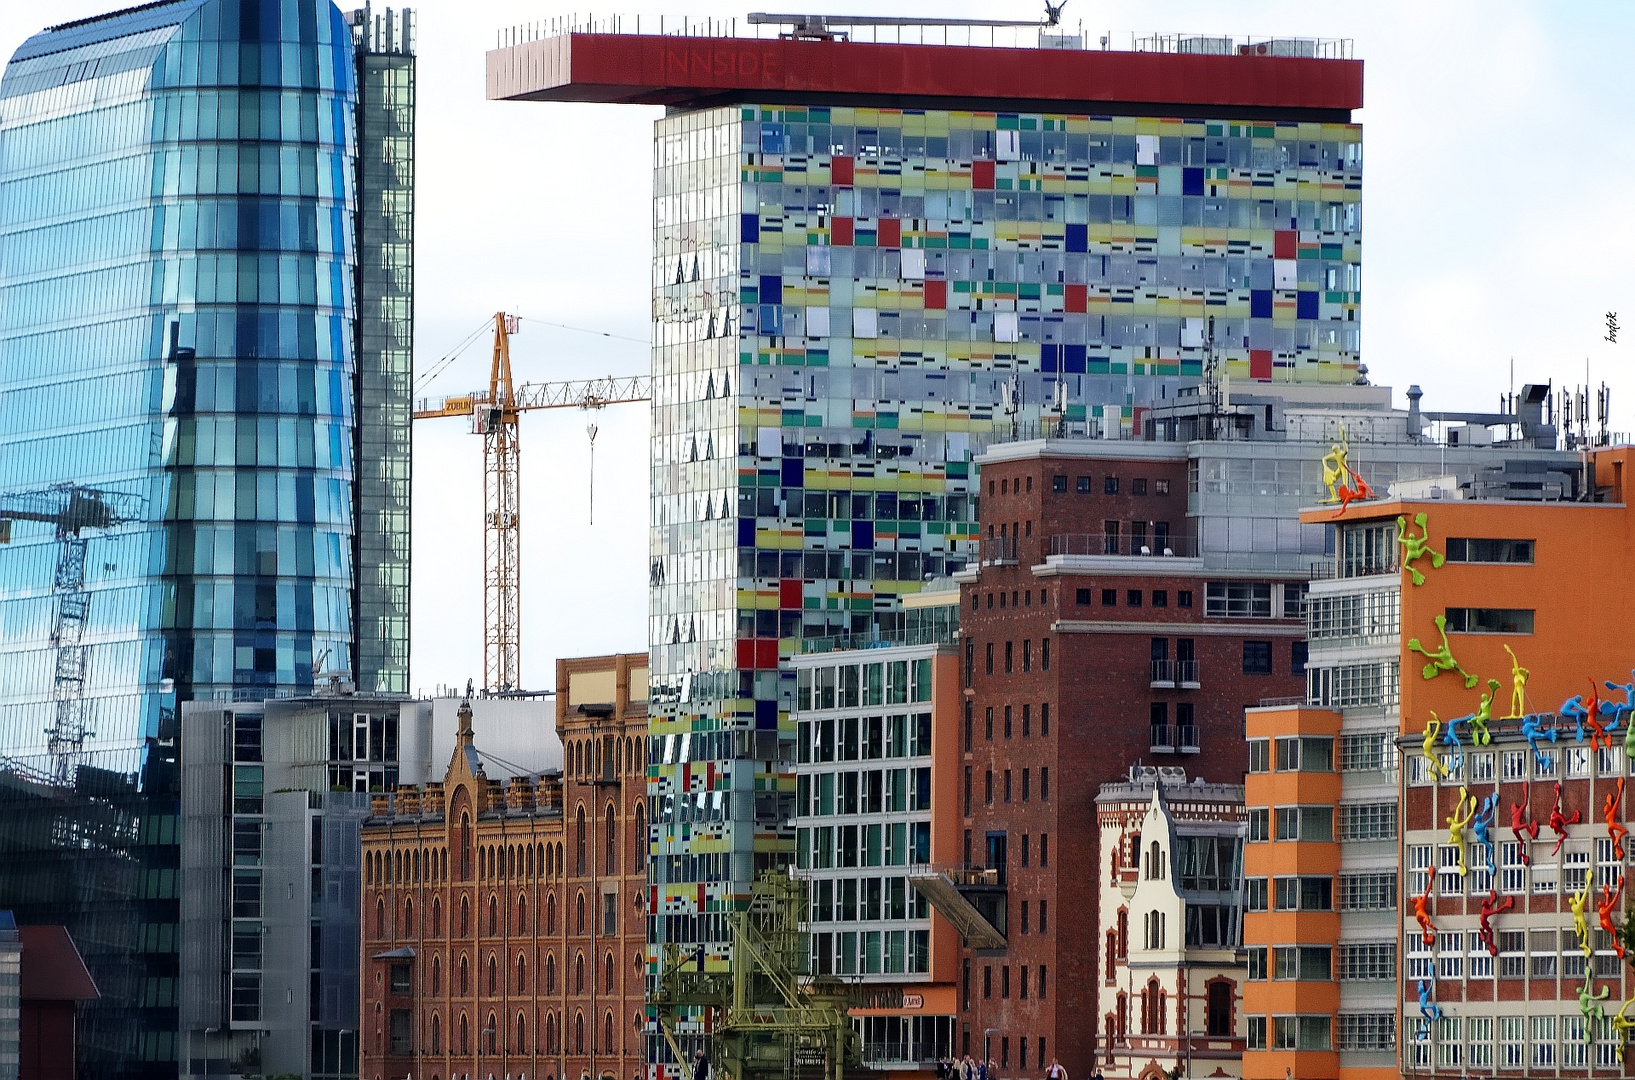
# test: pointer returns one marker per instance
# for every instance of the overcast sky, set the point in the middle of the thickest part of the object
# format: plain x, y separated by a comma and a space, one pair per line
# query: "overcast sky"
1498, 152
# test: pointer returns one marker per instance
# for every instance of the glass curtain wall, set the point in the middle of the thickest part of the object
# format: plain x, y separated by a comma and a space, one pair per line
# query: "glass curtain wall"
176, 342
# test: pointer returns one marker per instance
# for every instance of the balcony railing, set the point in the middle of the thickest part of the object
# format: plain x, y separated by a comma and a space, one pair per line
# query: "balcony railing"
1168, 738
1157, 545
1166, 673
999, 551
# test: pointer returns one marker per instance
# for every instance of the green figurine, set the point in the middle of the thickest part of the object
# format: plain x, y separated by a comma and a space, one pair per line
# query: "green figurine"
1587, 1005
1479, 719
1414, 547
1441, 660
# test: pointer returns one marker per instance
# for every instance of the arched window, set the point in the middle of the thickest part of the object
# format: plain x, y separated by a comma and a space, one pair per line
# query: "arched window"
465, 1034
1123, 1016
1155, 862
639, 848
397, 867
607, 1033
1123, 933
1152, 1009
579, 914
522, 974
611, 829
493, 975
493, 915
465, 916
465, 975
436, 916
550, 1033
1112, 955
539, 861
578, 1033
491, 1035
436, 1034
380, 918
408, 917
579, 974
1218, 1014
550, 973
465, 847
522, 1034
436, 975
416, 875
550, 914
579, 842
511, 861
607, 975
522, 913
528, 857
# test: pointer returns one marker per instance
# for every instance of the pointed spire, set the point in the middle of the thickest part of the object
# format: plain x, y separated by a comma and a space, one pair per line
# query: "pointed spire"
464, 736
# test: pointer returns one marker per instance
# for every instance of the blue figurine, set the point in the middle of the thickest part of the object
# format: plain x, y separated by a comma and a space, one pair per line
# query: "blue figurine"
1574, 707
1427, 1008
1619, 709
1479, 825
1533, 728
1451, 738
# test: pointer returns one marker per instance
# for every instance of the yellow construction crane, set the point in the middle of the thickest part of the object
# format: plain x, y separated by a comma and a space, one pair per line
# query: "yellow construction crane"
494, 417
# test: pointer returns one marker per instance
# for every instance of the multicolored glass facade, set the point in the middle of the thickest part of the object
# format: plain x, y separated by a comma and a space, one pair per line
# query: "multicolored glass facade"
849, 303
177, 254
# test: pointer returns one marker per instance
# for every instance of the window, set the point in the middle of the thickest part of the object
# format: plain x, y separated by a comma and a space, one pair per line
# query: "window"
1368, 821
1310, 823
1307, 753
1300, 1032
1367, 753
1137, 487
1367, 1031
1368, 960
1109, 485
1311, 963
1304, 894
1257, 658
1463, 549
1258, 819
1260, 755
989, 648
1160, 598
1082, 485
1109, 598
1183, 598
1254, 894
1081, 597
399, 1031
1368, 892
1294, 601
1152, 930
1256, 1036
1237, 599
1132, 598
1058, 483
1257, 963
1160, 487
1490, 620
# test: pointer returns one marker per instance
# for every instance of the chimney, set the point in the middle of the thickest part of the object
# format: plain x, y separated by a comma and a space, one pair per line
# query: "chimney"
1416, 424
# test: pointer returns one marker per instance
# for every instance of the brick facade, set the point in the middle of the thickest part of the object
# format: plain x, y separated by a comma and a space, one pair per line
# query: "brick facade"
503, 928
1077, 682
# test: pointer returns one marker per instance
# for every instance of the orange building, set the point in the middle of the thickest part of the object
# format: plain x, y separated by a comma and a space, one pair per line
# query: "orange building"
503, 928
1469, 654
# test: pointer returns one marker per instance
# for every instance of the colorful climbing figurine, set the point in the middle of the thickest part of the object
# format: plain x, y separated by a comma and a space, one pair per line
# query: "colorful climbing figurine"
1580, 902
1490, 909
1456, 826
1518, 687
1451, 738
1621, 1023
1416, 547
1427, 1008
1480, 825
1592, 720
1587, 1004
1441, 660
1533, 729
1433, 763
1574, 708
1422, 915
1334, 466
1479, 735
1618, 710
1605, 907
1559, 821
1615, 828
1521, 824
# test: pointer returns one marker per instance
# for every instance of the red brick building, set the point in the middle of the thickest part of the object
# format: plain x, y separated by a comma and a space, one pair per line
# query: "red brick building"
503, 927
1094, 637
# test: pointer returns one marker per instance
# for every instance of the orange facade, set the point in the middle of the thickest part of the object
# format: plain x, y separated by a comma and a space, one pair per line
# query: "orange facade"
503, 924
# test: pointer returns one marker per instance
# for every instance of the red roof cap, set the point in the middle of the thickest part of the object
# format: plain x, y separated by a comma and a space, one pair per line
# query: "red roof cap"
691, 71
52, 968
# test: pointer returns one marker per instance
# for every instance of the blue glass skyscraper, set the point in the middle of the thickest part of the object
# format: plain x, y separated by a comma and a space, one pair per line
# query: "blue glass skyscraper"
179, 280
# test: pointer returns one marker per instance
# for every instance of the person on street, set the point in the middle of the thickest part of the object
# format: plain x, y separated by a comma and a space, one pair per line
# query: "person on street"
1055, 1072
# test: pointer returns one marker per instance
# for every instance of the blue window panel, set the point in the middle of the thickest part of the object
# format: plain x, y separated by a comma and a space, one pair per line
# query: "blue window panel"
1073, 359
1307, 301
766, 715
1078, 238
771, 320
749, 230
793, 472
862, 536
771, 289
1260, 303
1192, 181
1047, 357
746, 532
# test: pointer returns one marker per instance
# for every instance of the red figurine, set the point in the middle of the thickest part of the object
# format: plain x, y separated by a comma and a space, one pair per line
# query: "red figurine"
1559, 823
1615, 828
1606, 906
1490, 909
1598, 730
1427, 929
1521, 823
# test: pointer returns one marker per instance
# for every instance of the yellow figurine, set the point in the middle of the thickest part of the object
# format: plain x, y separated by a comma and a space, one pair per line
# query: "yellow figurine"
1433, 763
1578, 901
1621, 1023
1518, 687
1456, 825
1334, 466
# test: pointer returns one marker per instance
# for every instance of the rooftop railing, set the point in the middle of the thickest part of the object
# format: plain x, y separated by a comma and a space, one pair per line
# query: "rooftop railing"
1167, 545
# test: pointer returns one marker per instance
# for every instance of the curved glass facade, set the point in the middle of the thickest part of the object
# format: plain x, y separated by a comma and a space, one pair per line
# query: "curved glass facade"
177, 266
